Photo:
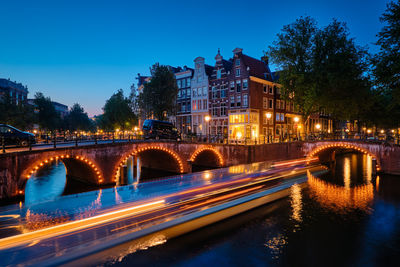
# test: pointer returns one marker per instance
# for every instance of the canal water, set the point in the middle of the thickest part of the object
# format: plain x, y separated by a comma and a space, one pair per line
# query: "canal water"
346, 217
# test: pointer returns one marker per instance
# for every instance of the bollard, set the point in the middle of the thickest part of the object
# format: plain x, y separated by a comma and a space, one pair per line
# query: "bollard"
113, 140
55, 141
30, 145
3, 144
76, 139
95, 139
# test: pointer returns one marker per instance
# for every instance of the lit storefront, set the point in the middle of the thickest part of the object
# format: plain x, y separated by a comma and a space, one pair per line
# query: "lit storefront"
243, 125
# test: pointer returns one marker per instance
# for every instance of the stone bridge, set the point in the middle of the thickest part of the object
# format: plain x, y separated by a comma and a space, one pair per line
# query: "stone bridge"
100, 164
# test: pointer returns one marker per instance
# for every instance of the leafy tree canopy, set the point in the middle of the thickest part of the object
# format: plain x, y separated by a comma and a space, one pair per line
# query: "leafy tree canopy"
322, 68
118, 113
158, 97
47, 117
78, 119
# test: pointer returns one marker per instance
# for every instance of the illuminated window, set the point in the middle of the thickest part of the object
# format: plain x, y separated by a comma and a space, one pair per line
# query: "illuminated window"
265, 102
205, 104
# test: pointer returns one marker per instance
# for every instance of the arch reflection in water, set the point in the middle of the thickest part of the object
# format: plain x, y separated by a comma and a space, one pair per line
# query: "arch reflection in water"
338, 197
46, 184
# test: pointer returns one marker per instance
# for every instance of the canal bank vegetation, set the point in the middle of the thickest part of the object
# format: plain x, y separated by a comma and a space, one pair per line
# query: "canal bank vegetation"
323, 70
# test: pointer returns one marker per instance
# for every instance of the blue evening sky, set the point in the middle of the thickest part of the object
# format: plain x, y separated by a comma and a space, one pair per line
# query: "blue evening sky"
83, 51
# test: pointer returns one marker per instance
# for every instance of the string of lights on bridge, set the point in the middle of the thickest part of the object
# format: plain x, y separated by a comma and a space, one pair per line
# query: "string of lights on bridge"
341, 145
136, 152
80, 158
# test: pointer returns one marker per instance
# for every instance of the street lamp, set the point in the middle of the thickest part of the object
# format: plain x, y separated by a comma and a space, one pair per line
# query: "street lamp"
269, 116
207, 118
296, 120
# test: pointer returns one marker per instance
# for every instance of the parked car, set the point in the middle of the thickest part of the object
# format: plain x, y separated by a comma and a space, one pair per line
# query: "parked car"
154, 129
13, 136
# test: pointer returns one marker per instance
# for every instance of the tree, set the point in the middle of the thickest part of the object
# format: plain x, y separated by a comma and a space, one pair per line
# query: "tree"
292, 52
339, 67
78, 119
118, 113
20, 116
387, 62
158, 97
322, 69
48, 118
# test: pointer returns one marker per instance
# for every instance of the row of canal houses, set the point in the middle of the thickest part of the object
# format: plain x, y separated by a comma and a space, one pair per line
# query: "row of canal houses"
241, 99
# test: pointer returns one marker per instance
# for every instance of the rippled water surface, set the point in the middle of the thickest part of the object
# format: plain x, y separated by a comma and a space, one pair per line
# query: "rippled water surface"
347, 217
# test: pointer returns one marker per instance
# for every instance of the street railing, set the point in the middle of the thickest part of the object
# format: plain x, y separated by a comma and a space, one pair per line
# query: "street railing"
117, 137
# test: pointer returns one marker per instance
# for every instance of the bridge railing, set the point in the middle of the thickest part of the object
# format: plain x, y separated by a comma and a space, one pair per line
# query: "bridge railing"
118, 137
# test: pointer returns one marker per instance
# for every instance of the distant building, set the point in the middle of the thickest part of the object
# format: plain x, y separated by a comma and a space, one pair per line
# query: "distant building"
199, 87
60, 108
17, 92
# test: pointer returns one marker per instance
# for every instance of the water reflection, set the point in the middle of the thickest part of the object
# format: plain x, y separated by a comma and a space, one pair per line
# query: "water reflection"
328, 189
296, 203
46, 184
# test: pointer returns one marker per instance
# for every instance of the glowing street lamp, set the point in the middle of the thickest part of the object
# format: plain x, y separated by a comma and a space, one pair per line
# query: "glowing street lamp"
318, 126
207, 118
296, 119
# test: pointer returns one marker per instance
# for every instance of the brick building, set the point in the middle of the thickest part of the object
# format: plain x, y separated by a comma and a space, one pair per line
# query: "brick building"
183, 100
256, 111
218, 97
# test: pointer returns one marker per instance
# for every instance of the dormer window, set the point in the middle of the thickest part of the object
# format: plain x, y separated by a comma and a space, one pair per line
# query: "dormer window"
238, 62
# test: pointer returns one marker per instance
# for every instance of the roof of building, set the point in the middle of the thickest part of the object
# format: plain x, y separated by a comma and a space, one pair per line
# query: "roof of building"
6, 83
227, 64
142, 79
257, 68
208, 69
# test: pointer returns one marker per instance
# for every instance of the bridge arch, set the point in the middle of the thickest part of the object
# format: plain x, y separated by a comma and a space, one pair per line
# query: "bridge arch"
176, 158
77, 166
207, 154
322, 147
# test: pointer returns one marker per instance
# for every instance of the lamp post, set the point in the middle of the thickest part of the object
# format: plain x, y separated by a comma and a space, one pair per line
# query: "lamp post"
207, 118
269, 116
296, 120
318, 127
